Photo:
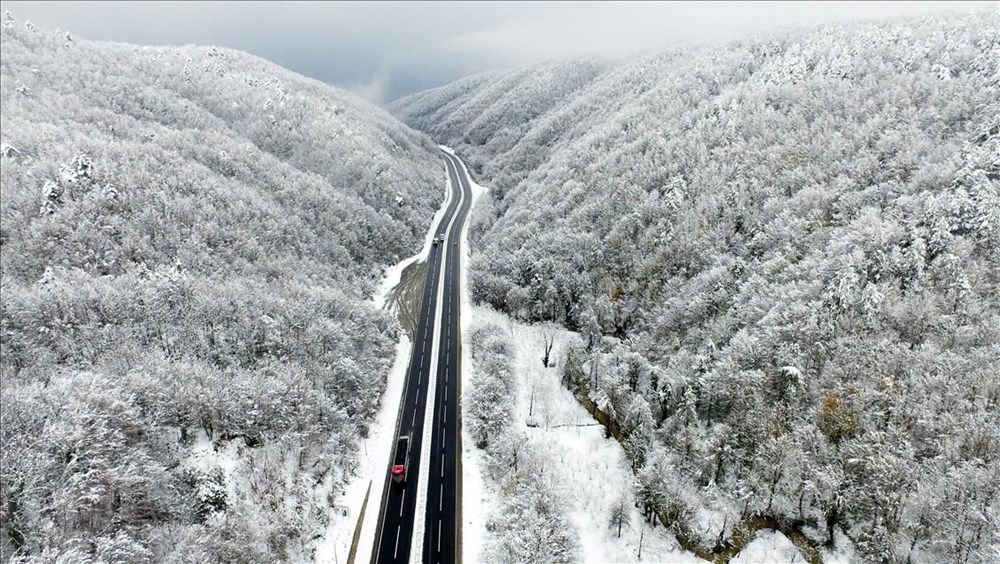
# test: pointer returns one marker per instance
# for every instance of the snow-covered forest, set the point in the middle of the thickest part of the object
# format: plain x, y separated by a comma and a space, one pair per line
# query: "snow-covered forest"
190, 240
783, 257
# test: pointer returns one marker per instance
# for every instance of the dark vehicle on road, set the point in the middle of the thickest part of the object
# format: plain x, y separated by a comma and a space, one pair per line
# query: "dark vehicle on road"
401, 459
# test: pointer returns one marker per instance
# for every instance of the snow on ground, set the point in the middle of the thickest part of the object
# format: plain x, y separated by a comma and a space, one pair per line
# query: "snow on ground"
600, 472
597, 471
843, 552
476, 504
334, 547
769, 547
205, 456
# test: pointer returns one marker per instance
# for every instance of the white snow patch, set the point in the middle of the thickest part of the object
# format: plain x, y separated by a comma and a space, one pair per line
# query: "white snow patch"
708, 523
843, 551
205, 455
769, 547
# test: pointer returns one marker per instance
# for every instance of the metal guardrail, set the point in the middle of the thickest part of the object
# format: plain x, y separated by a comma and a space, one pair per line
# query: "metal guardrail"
357, 528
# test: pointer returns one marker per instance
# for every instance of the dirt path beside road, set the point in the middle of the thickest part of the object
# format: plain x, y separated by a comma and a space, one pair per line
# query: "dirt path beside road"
404, 298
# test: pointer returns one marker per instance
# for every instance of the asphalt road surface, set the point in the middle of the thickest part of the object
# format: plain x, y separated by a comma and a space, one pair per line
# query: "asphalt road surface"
396, 514
441, 542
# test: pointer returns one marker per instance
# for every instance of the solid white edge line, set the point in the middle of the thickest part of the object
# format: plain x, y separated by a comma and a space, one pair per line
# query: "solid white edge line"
419, 521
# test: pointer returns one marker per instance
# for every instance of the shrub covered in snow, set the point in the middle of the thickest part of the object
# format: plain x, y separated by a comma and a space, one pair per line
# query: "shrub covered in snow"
488, 404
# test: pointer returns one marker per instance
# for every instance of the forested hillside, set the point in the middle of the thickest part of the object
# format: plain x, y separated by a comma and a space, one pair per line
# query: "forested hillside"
783, 257
190, 239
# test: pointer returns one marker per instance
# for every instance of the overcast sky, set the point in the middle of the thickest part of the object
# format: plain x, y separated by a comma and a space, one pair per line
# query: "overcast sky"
385, 50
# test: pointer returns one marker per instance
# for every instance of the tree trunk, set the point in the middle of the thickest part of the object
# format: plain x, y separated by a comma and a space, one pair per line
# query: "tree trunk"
642, 533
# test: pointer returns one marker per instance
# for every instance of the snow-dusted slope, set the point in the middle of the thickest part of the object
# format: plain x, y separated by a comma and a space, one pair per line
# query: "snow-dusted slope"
190, 238
782, 256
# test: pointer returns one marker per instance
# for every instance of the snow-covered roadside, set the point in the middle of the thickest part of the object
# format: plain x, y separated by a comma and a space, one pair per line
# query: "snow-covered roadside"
334, 547
373, 460
598, 474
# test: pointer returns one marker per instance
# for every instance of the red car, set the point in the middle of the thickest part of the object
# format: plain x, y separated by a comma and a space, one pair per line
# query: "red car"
401, 459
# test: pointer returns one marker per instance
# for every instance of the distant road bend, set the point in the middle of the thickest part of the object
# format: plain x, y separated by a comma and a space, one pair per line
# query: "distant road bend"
397, 518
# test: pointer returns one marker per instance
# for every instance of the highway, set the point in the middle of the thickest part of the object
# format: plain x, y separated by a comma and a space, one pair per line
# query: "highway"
441, 541
396, 519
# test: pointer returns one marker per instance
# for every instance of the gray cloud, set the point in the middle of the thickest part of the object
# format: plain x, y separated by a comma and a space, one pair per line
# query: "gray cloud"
385, 50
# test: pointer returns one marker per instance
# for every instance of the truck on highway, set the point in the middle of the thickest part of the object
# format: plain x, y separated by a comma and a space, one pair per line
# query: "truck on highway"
401, 459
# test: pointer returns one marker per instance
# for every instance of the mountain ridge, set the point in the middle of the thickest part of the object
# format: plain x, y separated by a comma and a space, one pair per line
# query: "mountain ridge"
190, 239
